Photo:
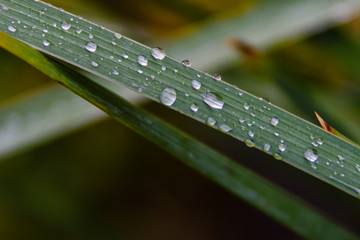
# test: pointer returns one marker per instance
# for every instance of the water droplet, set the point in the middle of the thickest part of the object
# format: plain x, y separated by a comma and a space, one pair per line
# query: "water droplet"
194, 107
46, 43
276, 134
140, 71
246, 106
142, 60
311, 155
282, 147
91, 36
241, 120
45, 30
78, 31
117, 35
65, 25
94, 64
158, 53
186, 63
168, 96
213, 100
211, 121
91, 46
217, 76
277, 156
163, 68
267, 147
225, 128
251, 133
115, 72
240, 93
274, 121
249, 143
357, 166
125, 55
196, 84
11, 29
340, 157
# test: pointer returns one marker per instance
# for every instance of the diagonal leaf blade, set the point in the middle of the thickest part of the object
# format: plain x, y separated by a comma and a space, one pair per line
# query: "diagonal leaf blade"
270, 199
217, 103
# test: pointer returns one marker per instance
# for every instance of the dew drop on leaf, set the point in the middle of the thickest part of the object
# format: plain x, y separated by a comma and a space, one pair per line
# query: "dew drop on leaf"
217, 76
249, 143
196, 84
11, 29
274, 121
117, 35
186, 63
311, 155
168, 96
211, 121
142, 60
65, 25
46, 43
267, 147
246, 106
225, 128
158, 53
94, 64
213, 100
194, 107
91, 46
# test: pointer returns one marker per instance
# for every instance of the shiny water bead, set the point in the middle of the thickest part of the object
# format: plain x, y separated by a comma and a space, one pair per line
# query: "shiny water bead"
217, 76
194, 107
213, 100
274, 121
117, 35
11, 29
158, 53
94, 64
211, 121
186, 63
311, 155
249, 143
91, 46
65, 25
168, 96
196, 84
225, 128
46, 43
142, 60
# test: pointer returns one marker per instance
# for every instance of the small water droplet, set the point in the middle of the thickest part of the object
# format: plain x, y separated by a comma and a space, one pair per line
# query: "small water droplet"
91, 36
186, 63
282, 147
225, 128
140, 71
91, 46
277, 156
142, 60
357, 167
94, 64
168, 96
117, 35
163, 68
240, 93
125, 55
274, 121
45, 30
65, 25
194, 107
217, 77
246, 106
276, 134
311, 155
211, 121
196, 84
11, 29
241, 120
175, 70
340, 157
46, 43
78, 31
251, 133
115, 72
249, 143
267, 147
213, 100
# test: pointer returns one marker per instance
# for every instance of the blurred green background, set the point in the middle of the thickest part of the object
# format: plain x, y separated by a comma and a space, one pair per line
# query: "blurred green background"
103, 181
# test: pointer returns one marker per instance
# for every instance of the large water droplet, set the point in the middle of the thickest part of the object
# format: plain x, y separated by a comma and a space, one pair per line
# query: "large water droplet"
196, 84
311, 155
46, 43
251, 133
11, 29
213, 100
168, 96
225, 128
186, 63
158, 53
194, 107
249, 143
91, 46
142, 60
274, 121
65, 25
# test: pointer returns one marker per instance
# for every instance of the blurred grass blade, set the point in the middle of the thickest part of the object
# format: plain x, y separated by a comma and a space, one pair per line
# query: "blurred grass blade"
185, 89
190, 45
268, 23
273, 201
